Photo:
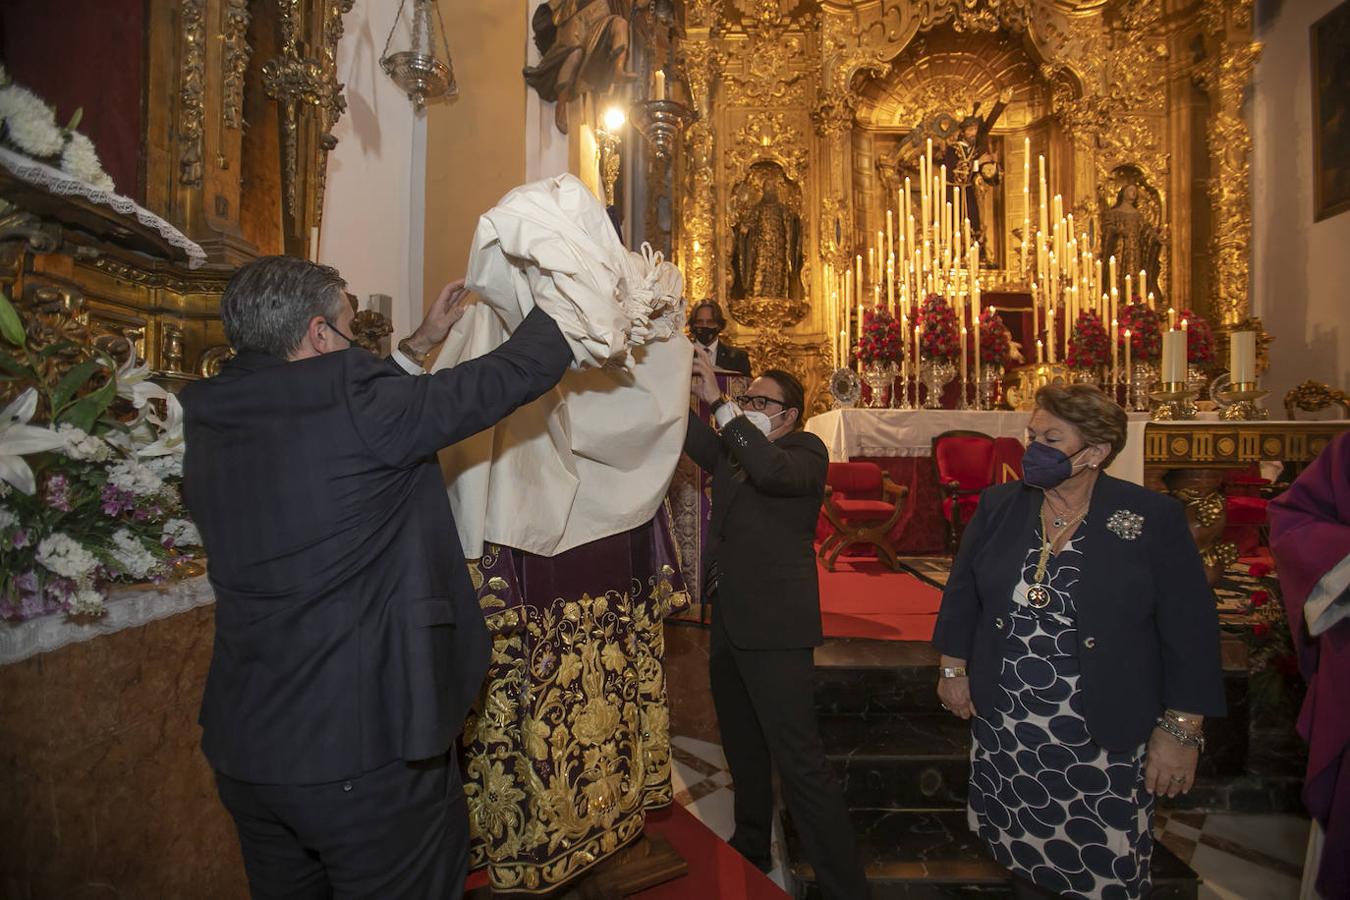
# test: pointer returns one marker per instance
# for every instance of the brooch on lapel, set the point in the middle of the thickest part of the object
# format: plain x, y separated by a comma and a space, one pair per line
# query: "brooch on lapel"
1126, 525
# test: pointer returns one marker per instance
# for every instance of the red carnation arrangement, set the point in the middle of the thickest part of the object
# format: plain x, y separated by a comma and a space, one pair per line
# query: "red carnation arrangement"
1199, 338
941, 337
1089, 345
1145, 331
881, 339
995, 339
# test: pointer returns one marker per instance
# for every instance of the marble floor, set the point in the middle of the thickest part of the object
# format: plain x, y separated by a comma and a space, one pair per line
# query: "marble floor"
1238, 856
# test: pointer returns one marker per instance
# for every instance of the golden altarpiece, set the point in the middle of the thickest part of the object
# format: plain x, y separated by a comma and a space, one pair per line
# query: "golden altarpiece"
818, 98
237, 100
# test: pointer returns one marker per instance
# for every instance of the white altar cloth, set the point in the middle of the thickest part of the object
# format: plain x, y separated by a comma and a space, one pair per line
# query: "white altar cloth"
851, 433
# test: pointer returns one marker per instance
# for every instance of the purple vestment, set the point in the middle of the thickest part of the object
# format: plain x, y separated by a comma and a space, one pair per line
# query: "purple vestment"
1309, 537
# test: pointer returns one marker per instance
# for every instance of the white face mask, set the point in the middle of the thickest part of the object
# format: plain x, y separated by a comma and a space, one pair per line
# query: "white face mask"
762, 422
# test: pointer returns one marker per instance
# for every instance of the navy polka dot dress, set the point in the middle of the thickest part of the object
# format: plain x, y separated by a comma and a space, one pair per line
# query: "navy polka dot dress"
1052, 805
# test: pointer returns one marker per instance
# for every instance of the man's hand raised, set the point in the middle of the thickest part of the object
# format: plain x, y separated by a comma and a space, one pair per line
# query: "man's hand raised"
449, 307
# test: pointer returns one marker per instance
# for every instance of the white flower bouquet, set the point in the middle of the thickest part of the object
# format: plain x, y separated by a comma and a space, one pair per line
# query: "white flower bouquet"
90, 465
28, 125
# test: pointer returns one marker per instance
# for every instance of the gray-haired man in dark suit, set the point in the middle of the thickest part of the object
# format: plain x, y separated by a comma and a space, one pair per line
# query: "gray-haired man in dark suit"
349, 643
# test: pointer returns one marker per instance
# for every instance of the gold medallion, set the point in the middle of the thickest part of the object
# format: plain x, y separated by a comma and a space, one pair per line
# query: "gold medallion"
1038, 596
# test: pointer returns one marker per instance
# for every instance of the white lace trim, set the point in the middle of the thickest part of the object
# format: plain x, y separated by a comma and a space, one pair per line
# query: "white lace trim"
129, 608
63, 183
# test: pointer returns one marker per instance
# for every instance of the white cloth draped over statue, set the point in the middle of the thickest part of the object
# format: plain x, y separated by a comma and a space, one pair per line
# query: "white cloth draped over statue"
594, 456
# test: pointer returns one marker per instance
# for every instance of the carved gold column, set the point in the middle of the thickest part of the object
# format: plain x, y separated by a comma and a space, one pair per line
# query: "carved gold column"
1232, 56
696, 228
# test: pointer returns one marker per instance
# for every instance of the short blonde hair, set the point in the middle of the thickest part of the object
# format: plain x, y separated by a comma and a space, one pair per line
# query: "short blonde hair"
1097, 417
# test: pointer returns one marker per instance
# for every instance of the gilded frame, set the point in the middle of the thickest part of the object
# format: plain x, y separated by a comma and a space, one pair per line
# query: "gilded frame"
1329, 78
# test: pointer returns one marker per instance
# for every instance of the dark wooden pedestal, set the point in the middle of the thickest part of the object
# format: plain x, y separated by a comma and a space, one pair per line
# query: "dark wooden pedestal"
647, 862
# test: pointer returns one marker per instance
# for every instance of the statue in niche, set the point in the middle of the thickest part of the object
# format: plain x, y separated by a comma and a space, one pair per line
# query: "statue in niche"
766, 258
973, 167
1132, 239
585, 48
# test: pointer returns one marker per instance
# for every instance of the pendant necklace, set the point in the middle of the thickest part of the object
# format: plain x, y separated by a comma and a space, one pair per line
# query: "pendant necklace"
1038, 595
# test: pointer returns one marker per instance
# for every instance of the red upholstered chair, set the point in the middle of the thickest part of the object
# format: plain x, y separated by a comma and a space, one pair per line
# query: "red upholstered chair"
1247, 496
863, 505
1007, 459
965, 466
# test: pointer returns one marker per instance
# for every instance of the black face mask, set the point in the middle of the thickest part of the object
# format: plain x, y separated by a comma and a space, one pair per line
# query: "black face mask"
705, 334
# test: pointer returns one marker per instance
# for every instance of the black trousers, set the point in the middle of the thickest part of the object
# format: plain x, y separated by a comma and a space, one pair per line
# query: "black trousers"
766, 713
400, 831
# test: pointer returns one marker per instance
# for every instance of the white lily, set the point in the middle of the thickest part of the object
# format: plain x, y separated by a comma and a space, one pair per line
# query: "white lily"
134, 384
170, 432
18, 439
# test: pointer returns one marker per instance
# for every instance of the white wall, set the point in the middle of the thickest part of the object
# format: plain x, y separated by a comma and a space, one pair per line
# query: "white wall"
373, 209
545, 145
1300, 269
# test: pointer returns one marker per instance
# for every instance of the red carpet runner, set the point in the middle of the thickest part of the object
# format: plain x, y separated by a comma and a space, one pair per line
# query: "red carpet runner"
864, 599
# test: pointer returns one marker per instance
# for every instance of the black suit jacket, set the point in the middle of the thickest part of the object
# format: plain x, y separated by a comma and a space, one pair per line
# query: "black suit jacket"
766, 496
347, 631
733, 359
1148, 631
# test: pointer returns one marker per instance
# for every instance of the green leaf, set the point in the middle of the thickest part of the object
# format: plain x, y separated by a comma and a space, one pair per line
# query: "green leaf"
75, 119
11, 328
16, 368
51, 349
85, 412
70, 385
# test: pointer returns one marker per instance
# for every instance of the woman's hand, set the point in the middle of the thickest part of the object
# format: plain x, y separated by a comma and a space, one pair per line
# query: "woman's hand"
955, 692
1169, 765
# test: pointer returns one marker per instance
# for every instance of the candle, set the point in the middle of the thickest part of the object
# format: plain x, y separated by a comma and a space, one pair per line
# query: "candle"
978, 311
1035, 311
857, 278
860, 325
1129, 375
904, 350
1184, 323
872, 264
1129, 291
314, 244
1143, 286
918, 351
1040, 351
963, 370
1171, 318
890, 236
1114, 284
1115, 352
1050, 330
1174, 357
1152, 303
660, 85
1242, 357
890, 283
1041, 196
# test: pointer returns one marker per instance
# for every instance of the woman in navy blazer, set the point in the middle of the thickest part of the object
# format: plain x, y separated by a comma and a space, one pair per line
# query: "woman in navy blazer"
1078, 630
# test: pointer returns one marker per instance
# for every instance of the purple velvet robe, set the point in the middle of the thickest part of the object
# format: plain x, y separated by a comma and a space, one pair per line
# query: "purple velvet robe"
1310, 536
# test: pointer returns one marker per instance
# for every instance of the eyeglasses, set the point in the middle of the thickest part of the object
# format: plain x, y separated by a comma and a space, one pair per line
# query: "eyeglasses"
756, 402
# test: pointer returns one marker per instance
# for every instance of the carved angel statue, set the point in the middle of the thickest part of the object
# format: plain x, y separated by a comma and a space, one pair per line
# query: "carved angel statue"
766, 259
1132, 239
585, 48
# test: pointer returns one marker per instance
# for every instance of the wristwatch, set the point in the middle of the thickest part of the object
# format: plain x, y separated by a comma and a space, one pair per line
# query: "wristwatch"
405, 347
953, 671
